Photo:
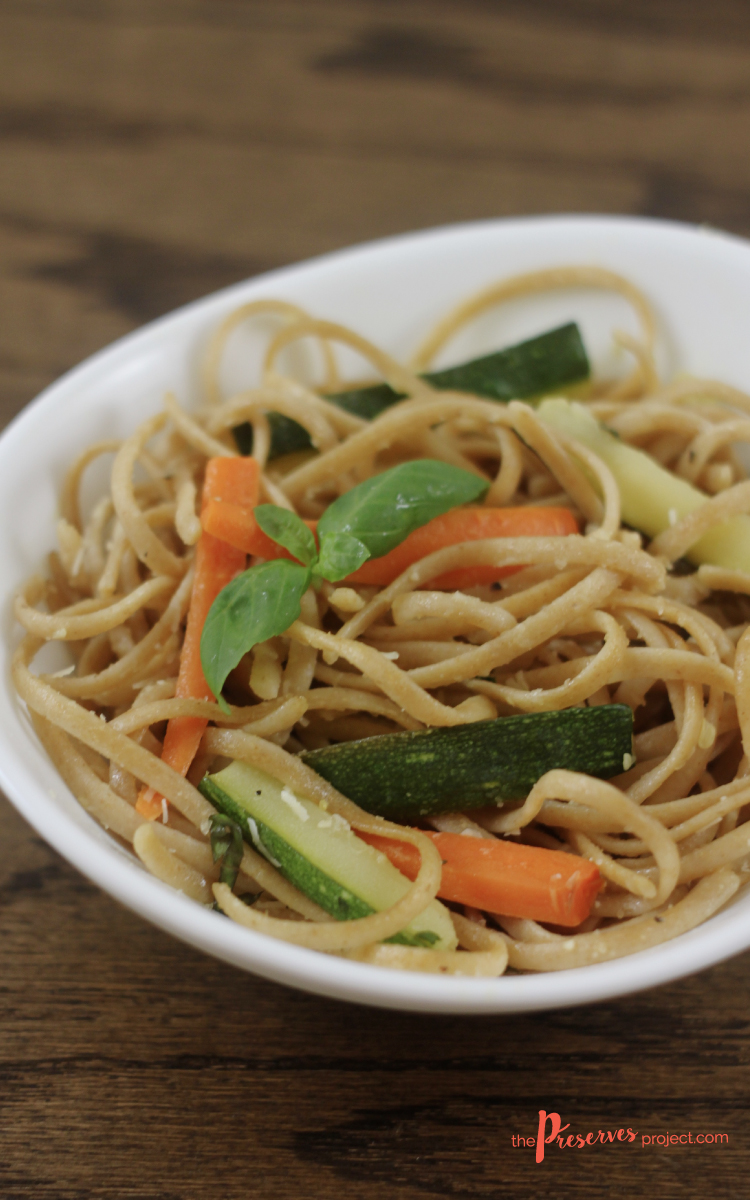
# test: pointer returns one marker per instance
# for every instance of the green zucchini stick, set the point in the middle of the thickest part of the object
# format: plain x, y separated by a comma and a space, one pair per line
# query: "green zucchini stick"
653, 499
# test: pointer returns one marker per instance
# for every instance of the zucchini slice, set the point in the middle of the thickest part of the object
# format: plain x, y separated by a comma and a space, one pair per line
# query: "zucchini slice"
536, 367
652, 498
319, 853
408, 775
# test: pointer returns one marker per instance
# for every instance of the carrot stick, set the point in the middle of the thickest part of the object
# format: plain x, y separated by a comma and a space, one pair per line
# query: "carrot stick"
228, 480
504, 877
234, 523
459, 525
238, 527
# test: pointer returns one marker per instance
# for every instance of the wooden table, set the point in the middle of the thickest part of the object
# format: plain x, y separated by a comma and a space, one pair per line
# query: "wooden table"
152, 150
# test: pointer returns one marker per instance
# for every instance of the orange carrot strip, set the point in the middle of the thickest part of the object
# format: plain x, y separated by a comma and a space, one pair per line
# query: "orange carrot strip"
235, 524
235, 481
459, 525
504, 877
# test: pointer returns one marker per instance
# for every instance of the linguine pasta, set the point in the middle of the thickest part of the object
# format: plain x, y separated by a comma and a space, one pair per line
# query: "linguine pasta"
591, 619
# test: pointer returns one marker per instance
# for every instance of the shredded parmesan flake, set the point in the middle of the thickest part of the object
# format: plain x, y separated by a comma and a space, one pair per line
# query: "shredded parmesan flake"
299, 810
259, 846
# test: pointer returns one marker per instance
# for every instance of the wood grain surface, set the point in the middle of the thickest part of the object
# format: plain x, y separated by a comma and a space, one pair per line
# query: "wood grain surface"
151, 151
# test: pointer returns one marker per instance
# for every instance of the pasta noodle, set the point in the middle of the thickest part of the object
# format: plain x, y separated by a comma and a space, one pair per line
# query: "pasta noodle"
586, 619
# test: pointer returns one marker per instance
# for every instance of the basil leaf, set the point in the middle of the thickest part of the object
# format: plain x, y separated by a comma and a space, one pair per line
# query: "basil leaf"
340, 554
384, 510
227, 845
288, 530
257, 605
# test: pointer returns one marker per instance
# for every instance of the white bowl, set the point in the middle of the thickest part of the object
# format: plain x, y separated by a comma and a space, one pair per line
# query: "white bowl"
699, 281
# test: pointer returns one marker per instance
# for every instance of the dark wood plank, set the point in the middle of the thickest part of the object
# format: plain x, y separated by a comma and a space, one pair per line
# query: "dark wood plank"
153, 151
134, 1066
156, 149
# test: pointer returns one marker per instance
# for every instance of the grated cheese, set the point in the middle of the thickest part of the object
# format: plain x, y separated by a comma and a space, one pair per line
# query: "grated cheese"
289, 798
65, 671
254, 834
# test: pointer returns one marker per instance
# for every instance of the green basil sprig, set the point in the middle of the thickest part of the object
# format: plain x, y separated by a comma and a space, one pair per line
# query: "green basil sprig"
366, 522
340, 555
227, 845
288, 530
340, 552
255, 606
384, 510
